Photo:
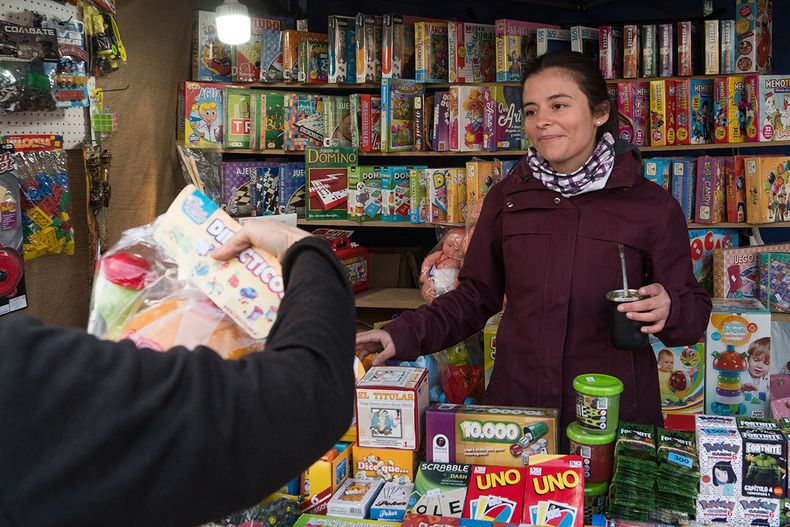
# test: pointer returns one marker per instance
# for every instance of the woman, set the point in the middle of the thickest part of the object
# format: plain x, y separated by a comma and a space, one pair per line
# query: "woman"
548, 239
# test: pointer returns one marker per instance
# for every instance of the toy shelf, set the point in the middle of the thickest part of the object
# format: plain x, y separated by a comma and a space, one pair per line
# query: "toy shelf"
714, 146
725, 225
410, 153
389, 298
347, 223
676, 78
362, 87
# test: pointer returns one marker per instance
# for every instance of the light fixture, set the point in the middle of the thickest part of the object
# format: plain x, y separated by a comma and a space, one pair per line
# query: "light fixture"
233, 23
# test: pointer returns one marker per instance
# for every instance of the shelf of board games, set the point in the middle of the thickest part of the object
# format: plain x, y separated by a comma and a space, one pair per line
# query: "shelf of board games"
715, 146
362, 87
348, 223
728, 225
409, 153
389, 298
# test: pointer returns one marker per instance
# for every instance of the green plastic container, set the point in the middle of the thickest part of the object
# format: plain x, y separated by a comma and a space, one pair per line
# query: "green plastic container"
598, 401
596, 449
594, 500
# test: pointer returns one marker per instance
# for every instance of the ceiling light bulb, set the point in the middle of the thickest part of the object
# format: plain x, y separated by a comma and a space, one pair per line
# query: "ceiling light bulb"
233, 23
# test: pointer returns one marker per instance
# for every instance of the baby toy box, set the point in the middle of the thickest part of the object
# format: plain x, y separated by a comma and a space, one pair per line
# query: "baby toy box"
738, 350
391, 404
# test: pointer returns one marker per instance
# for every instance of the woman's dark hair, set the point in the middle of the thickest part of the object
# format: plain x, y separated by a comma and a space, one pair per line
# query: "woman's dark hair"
587, 76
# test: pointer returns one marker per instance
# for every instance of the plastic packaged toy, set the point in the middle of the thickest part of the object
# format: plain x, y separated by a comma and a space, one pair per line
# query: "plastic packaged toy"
439, 271
27, 86
12, 282
159, 288
46, 204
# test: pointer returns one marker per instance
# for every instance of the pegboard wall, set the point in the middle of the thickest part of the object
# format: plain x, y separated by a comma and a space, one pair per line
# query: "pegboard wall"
70, 122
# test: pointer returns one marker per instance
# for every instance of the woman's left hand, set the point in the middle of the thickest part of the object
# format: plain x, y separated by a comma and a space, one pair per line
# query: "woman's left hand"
652, 310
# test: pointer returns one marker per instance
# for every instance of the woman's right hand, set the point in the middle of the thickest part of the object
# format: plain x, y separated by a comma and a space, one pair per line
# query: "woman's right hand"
375, 341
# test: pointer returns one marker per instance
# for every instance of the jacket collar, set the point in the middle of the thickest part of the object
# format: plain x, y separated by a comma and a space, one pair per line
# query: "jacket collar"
625, 174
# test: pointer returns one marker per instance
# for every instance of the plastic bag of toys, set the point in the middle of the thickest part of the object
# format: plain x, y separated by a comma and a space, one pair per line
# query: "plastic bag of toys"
27, 86
139, 295
201, 167
439, 270
278, 510
462, 373
46, 203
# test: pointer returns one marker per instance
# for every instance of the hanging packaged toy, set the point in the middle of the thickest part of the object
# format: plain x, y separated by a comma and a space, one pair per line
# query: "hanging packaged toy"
26, 86
71, 81
12, 282
439, 271
104, 41
46, 204
159, 288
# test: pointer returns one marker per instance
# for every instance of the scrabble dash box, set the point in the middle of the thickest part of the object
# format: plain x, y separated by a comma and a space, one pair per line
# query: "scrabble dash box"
386, 464
487, 435
324, 477
391, 404
440, 490
354, 498
391, 502
495, 494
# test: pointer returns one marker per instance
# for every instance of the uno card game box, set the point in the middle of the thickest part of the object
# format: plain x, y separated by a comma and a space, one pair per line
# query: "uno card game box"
488, 435
440, 489
554, 492
391, 404
495, 494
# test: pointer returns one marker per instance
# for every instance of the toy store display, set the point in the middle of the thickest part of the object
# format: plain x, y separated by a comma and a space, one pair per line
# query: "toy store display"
489, 435
738, 350
765, 458
774, 281
554, 491
391, 404
71, 81
321, 481
353, 257
496, 494
598, 401
354, 498
46, 205
12, 275
27, 86
106, 50
631, 495
392, 501
736, 270
158, 287
440, 489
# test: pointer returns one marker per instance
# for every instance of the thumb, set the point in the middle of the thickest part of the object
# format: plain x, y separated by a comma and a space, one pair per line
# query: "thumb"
237, 243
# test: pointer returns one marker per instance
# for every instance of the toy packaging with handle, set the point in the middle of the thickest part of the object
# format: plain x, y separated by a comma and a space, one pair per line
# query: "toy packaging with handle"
159, 287
12, 281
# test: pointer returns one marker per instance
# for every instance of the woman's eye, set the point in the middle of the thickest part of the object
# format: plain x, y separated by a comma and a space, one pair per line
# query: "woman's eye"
529, 113
559, 106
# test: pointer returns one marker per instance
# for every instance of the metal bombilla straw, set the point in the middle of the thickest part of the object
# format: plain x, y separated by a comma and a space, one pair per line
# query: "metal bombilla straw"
622, 264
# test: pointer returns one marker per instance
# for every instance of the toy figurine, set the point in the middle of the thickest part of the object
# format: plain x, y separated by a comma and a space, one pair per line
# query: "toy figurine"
763, 471
120, 281
729, 394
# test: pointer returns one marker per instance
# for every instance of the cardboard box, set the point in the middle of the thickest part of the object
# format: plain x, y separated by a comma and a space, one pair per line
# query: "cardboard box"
503, 485
720, 459
324, 477
759, 511
354, 498
764, 463
391, 404
440, 489
392, 502
554, 488
775, 281
386, 464
738, 337
487, 435
314, 520
735, 270
753, 30
681, 377
716, 510
763, 190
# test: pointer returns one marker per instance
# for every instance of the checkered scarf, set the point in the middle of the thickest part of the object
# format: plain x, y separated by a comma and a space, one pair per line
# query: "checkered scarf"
595, 169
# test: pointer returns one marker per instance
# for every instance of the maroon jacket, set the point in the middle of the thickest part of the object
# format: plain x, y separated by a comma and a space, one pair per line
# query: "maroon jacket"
556, 258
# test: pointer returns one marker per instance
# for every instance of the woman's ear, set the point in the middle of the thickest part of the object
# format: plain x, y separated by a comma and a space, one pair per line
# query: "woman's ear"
602, 111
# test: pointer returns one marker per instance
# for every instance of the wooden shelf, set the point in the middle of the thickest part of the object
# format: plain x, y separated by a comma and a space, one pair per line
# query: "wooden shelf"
675, 78
714, 146
780, 317
410, 153
781, 225
296, 86
390, 298
356, 224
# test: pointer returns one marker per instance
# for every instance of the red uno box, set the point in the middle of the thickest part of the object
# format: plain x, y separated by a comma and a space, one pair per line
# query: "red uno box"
495, 494
425, 520
353, 257
554, 491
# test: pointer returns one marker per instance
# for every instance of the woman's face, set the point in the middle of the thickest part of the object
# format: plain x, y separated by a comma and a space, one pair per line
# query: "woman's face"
558, 120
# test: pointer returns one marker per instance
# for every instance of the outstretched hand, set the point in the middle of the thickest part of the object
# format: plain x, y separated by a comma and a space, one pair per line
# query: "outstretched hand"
375, 341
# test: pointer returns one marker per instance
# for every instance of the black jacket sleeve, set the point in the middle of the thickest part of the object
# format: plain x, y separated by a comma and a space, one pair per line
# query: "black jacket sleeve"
100, 433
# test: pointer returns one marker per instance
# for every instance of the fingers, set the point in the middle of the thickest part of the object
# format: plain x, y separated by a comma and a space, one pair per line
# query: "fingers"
384, 356
655, 328
237, 243
651, 290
